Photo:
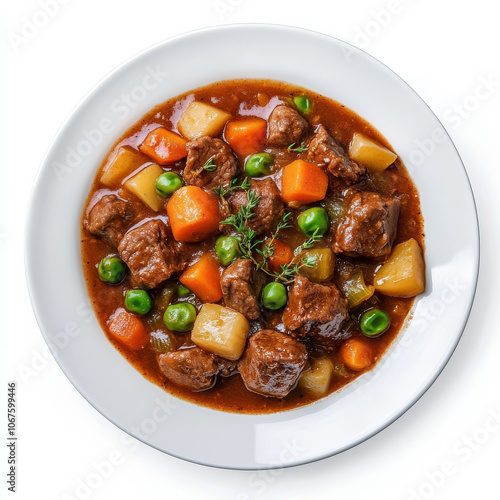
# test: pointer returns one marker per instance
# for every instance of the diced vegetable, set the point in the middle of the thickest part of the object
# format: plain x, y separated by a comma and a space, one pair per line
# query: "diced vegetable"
168, 183
356, 354
282, 255
143, 186
122, 164
403, 274
324, 267
354, 287
303, 104
180, 317
303, 182
221, 330
164, 298
246, 136
202, 119
370, 154
274, 296
161, 342
182, 291
164, 146
313, 221
203, 278
336, 208
138, 301
318, 378
193, 214
374, 322
227, 248
259, 164
129, 330
112, 270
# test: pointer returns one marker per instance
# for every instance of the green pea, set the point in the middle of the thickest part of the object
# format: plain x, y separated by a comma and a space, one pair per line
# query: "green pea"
227, 249
182, 291
168, 183
259, 164
374, 322
138, 301
180, 317
274, 296
313, 220
303, 104
112, 270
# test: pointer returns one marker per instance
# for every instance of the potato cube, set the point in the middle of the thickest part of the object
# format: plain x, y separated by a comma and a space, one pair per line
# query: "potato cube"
202, 119
317, 379
403, 274
144, 187
373, 156
123, 163
221, 331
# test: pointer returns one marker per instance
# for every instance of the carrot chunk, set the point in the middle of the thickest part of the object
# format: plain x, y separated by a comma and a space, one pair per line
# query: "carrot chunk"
203, 278
163, 146
193, 214
303, 182
246, 136
356, 354
129, 330
282, 255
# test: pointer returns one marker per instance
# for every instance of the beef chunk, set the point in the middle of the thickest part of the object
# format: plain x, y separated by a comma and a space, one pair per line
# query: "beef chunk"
149, 256
109, 218
194, 368
369, 227
270, 209
240, 288
324, 150
272, 363
314, 310
200, 150
286, 126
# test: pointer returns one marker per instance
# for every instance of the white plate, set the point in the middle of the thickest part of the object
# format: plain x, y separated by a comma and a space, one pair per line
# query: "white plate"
206, 436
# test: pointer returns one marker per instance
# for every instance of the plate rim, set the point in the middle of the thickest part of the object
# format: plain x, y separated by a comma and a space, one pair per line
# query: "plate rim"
30, 215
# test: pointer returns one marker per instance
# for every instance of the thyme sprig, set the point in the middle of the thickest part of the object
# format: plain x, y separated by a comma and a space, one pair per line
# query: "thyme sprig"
249, 243
268, 251
233, 185
298, 149
288, 271
210, 166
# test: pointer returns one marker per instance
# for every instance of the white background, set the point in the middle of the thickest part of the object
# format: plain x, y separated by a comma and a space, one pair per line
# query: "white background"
446, 51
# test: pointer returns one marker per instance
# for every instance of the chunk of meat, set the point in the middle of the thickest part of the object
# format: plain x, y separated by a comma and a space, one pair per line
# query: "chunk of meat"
149, 256
200, 151
109, 218
272, 363
369, 227
315, 310
194, 368
285, 126
324, 150
270, 209
240, 287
